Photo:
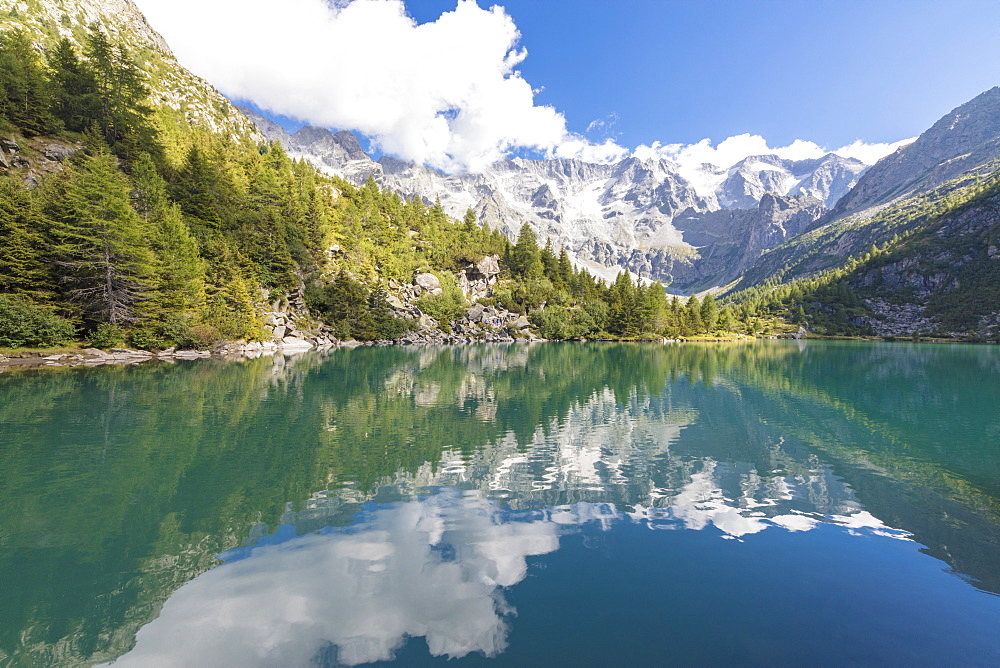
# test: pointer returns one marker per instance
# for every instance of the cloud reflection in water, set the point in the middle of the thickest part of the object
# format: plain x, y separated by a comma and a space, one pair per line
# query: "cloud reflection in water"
434, 567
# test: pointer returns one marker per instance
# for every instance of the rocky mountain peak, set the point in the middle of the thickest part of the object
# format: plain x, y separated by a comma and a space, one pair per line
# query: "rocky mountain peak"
965, 138
693, 228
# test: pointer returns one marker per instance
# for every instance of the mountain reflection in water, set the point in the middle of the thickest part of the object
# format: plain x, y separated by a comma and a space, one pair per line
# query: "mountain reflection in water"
766, 503
435, 568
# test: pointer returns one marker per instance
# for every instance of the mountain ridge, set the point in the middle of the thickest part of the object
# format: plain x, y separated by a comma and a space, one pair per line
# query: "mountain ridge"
608, 216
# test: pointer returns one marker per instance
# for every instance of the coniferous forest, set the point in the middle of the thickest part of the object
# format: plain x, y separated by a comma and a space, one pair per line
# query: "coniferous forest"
129, 243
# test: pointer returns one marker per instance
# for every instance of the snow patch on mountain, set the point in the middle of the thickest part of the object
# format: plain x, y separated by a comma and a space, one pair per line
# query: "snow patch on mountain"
613, 216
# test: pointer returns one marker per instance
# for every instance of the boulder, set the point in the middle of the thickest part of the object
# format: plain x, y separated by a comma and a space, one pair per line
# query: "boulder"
427, 282
58, 152
293, 342
475, 314
521, 323
489, 266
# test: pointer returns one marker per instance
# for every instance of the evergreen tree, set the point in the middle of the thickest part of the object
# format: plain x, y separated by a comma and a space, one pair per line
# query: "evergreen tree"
196, 188
709, 313
565, 268
469, 221
102, 245
121, 92
692, 316
550, 263
180, 271
525, 257
623, 316
726, 319
26, 95
23, 269
75, 101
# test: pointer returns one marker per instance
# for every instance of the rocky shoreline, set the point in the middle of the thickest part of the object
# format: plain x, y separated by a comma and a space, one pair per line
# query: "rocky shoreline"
92, 357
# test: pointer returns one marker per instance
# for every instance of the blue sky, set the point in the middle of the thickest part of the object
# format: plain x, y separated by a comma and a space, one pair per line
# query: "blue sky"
426, 79
683, 70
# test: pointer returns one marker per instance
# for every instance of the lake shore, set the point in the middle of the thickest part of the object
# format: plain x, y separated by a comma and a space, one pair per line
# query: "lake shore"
93, 357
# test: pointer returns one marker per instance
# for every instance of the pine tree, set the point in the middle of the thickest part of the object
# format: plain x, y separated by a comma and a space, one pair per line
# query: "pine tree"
525, 257
26, 94
692, 316
23, 269
709, 313
565, 268
121, 92
623, 315
102, 245
75, 96
179, 278
726, 319
470, 220
550, 263
196, 188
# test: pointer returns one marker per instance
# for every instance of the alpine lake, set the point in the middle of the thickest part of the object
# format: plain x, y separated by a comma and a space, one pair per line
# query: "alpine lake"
772, 503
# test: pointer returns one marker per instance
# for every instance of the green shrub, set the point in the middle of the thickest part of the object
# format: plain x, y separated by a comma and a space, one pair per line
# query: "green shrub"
559, 322
23, 323
107, 336
353, 311
147, 339
447, 306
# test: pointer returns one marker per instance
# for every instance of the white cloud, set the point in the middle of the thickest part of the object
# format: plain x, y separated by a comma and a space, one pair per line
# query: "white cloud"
734, 149
576, 147
445, 93
871, 153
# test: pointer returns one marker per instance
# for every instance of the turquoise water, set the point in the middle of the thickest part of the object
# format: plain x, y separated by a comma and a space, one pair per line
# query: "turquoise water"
774, 503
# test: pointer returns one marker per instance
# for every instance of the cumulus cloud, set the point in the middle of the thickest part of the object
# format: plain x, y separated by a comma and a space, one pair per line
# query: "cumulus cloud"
871, 153
734, 149
445, 93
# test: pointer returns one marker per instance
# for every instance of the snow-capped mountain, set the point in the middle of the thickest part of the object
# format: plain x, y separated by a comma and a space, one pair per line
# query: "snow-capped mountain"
691, 228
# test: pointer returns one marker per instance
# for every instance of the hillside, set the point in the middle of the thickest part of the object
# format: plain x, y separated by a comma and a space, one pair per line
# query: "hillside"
179, 98
929, 266
123, 229
690, 228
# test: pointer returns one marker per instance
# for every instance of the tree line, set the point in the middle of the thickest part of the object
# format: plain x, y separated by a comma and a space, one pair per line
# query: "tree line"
125, 246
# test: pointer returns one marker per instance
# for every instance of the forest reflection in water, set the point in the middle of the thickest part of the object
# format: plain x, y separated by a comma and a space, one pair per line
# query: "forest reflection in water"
447, 473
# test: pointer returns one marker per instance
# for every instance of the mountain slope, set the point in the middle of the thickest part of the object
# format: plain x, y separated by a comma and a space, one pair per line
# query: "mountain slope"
895, 196
965, 138
178, 95
943, 279
652, 217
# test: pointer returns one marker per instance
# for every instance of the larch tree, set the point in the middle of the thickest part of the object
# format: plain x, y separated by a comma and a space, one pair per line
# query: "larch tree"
102, 244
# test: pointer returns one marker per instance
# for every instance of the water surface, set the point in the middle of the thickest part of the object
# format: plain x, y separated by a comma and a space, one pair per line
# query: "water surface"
777, 503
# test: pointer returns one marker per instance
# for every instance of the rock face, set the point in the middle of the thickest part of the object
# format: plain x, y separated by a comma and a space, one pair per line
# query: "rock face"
193, 99
609, 216
966, 138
